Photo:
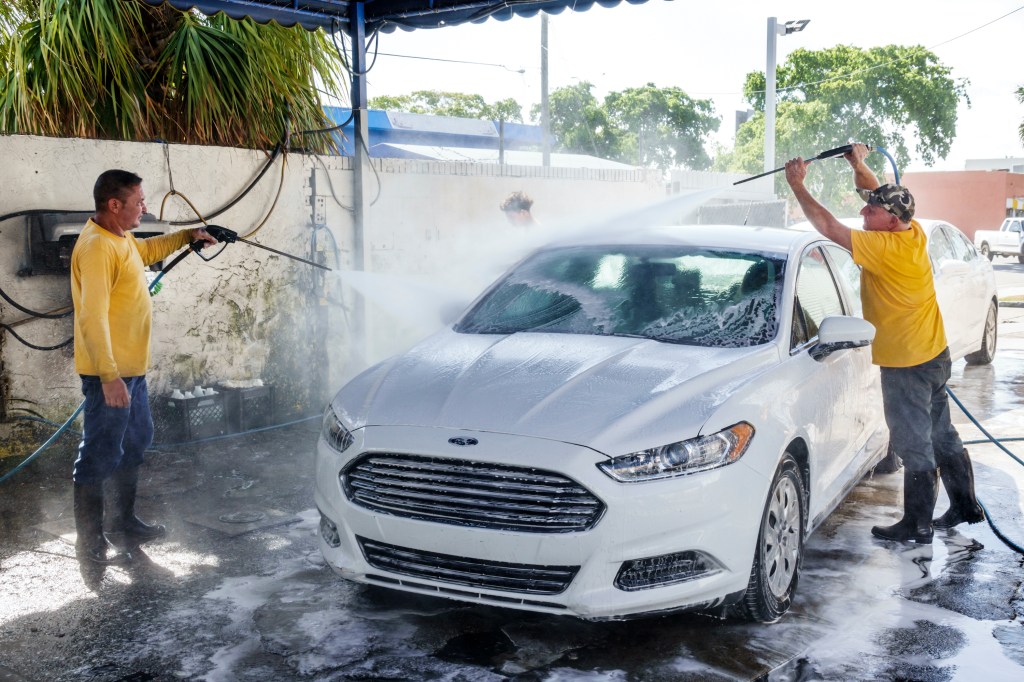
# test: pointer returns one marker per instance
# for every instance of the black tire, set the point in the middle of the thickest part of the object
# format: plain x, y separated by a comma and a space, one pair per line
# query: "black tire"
985, 251
987, 352
1020, 257
780, 545
889, 464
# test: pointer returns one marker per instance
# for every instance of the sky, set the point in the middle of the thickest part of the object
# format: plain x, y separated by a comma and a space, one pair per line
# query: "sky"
708, 48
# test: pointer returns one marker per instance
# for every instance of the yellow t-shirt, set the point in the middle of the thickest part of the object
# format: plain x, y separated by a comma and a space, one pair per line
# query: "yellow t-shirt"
898, 294
112, 307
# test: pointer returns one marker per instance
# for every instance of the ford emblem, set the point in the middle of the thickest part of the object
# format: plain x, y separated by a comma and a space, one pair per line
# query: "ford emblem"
463, 441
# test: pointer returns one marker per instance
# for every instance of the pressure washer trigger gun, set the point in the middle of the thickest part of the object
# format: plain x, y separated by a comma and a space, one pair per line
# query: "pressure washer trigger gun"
222, 234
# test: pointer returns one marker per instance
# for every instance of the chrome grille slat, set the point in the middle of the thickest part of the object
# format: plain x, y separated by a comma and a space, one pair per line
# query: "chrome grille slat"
478, 573
435, 513
457, 466
463, 492
535, 505
476, 488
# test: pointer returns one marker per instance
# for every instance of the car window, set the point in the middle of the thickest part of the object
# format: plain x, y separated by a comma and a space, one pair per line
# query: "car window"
677, 294
939, 248
848, 274
816, 297
962, 246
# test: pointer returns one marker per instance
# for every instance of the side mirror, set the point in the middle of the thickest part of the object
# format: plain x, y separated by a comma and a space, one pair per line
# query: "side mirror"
841, 332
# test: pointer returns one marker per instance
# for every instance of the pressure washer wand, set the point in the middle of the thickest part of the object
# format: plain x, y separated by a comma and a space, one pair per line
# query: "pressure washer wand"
282, 253
223, 234
824, 155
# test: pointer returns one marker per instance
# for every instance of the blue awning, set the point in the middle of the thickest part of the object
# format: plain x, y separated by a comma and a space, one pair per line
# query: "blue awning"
385, 15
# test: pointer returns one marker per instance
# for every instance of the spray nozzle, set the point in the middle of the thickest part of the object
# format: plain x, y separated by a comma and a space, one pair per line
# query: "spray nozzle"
222, 234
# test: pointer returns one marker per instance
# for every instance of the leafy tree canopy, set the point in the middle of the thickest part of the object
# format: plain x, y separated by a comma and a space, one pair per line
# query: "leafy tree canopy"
645, 126
457, 104
894, 97
1020, 98
120, 69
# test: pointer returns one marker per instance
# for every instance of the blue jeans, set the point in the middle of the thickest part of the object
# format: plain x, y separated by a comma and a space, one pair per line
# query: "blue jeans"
917, 412
112, 437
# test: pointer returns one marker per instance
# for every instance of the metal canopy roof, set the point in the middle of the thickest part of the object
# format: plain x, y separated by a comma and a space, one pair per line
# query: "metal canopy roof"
384, 15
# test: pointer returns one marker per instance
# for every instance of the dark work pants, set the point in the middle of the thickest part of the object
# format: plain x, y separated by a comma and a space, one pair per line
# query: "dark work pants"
112, 437
917, 412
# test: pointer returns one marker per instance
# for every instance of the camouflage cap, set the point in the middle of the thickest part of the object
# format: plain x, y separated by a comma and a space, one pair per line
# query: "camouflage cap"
895, 199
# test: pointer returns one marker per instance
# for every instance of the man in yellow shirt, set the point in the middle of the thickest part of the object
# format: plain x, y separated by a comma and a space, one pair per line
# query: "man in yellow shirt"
113, 316
898, 296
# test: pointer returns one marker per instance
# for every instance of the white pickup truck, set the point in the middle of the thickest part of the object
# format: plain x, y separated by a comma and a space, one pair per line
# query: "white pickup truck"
1002, 242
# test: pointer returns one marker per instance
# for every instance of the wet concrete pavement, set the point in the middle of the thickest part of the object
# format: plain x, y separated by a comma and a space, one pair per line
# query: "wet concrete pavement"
238, 590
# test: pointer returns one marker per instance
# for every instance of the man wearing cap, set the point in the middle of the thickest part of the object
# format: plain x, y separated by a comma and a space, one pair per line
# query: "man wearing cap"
898, 297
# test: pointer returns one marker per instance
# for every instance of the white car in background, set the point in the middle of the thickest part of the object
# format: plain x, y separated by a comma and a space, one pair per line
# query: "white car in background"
621, 425
965, 286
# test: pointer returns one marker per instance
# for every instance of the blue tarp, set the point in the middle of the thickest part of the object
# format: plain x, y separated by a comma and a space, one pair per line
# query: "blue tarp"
385, 15
420, 129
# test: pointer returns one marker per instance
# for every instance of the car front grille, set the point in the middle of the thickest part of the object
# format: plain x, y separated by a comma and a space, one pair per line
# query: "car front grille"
477, 573
461, 492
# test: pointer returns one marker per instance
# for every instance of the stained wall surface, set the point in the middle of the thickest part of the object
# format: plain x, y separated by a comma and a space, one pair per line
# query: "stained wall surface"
250, 314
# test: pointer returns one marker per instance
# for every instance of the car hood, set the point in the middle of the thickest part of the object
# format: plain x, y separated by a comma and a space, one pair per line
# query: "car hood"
612, 394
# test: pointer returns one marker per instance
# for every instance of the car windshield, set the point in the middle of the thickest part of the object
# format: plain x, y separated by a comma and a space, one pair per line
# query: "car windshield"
676, 294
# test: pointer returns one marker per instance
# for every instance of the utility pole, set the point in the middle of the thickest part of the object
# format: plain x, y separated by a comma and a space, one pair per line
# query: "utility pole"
545, 118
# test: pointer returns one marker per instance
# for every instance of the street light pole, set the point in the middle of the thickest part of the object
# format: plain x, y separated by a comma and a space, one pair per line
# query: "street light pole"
769, 91
545, 112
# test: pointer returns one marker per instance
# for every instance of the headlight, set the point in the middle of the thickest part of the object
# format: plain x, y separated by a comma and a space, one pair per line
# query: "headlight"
334, 432
685, 457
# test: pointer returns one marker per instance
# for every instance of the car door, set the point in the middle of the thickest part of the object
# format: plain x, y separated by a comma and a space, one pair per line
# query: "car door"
952, 279
835, 416
979, 287
1009, 239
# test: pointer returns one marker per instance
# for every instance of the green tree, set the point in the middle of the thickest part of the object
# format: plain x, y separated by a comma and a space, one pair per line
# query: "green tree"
122, 69
895, 97
1020, 98
580, 123
645, 126
664, 127
457, 104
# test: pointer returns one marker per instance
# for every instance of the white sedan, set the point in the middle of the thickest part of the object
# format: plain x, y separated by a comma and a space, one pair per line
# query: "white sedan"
621, 425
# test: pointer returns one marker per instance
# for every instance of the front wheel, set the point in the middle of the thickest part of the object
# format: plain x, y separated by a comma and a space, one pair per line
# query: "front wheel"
776, 567
988, 339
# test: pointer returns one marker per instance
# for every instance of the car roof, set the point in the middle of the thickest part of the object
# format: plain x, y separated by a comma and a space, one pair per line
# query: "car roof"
740, 237
927, 224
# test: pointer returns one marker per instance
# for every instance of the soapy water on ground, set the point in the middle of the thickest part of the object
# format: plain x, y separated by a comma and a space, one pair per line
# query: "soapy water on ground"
864, 611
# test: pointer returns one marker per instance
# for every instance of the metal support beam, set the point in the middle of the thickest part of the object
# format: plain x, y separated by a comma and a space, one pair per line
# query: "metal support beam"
360, 166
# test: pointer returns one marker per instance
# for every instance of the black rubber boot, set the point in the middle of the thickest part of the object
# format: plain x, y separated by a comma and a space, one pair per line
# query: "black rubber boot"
958, 478
920, 489
90, 545
126, 528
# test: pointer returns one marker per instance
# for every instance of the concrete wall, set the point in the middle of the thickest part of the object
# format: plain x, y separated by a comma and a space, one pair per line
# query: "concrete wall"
250, 314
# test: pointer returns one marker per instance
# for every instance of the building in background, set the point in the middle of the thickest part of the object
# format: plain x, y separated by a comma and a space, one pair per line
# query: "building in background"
978, 198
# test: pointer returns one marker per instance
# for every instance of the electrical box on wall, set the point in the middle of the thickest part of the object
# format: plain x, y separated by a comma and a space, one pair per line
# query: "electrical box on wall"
51, 237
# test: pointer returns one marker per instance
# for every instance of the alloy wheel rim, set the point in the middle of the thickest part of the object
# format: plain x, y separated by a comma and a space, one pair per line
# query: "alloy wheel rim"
782, 537
990, 330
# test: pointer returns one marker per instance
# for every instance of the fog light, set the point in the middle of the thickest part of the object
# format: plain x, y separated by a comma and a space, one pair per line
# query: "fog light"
329, 531
667, 569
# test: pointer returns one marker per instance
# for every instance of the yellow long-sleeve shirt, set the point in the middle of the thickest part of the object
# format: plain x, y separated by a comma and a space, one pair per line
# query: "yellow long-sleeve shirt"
898, 294
113, 313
